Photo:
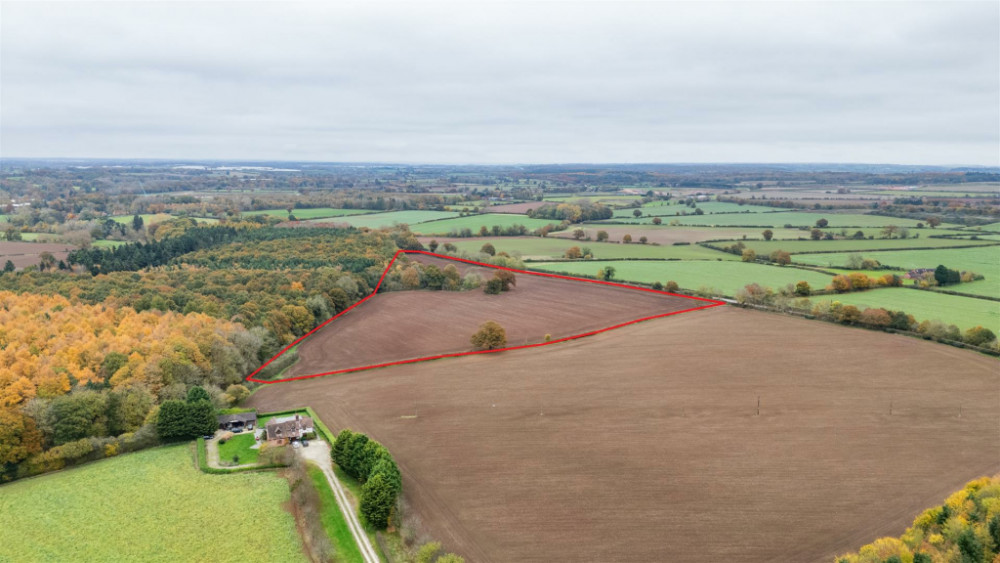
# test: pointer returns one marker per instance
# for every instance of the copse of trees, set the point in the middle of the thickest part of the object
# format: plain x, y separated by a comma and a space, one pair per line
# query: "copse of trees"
371, 463
501, 281
572, 212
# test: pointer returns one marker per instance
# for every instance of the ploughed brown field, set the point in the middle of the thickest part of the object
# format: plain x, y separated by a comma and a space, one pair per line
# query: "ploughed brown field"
24, 254
643, 444
414, 324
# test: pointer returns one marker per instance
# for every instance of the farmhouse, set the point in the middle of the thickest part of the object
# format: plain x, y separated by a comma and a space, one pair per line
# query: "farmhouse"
237, 422
288, 428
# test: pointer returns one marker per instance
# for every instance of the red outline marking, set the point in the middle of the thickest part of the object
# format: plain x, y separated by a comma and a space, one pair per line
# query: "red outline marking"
711, 303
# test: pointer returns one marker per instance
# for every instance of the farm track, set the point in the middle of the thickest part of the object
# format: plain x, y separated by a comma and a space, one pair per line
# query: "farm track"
642, 444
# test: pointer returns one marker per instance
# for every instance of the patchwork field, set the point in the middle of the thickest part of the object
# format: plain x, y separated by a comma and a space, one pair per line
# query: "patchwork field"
379, 220
554, 248
666, 235
474, 222
794, 218
312, 213
414, 324
643, 444
706, 207
24, 254
762, 247
152, 505
726, 276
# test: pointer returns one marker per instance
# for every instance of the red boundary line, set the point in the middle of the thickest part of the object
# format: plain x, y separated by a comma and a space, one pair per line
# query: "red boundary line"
711, 303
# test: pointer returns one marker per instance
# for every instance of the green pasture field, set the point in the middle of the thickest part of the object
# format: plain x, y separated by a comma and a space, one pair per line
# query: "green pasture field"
554, 248
390, 218
702, 233
239, 445
934, 193
725, 276
779, 219
302, 214
153, 505
983, 260
474, 222
963, 312
606, 199
808, 246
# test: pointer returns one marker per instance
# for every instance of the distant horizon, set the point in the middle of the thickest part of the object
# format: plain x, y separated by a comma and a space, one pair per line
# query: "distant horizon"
204, 160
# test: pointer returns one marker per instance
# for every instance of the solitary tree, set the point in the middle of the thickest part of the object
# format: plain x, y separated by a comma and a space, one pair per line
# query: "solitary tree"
933, 222
749, 255
573, 253
489, 336
637, 213
643, 240
137, 222
433, 245
768, 233
802, 289
602, 236
657, 221
816, 234
578, 234
627, 239
822, 223
606, 273
8, 267
488, 249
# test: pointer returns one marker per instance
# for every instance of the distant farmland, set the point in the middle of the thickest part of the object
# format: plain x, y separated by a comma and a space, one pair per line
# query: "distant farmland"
726, 276
644, 444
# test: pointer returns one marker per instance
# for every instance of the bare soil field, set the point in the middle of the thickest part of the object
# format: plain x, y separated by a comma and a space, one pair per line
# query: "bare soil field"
24, 254
414, 324
643, 444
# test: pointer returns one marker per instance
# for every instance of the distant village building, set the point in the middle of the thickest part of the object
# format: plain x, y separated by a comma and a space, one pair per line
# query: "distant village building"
237, 422
288, 428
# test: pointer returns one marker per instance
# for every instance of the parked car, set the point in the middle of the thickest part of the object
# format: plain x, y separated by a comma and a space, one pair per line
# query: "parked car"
208, 436
305, 443
296, 445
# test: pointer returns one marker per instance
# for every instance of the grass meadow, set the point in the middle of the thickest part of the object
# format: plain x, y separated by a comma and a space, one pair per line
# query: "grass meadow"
303, 214
762, 247
765, 220
726, 276
474, 222
554, 248
388, 219
982, 259
153, 505
964, 312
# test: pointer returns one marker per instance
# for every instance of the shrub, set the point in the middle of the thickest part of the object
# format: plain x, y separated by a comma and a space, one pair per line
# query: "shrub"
672, 286
493, 287
803, 289
978, 336
749, 255
488, 249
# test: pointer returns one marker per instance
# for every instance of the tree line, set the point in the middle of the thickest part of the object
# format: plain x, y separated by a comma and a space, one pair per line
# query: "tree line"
370, 463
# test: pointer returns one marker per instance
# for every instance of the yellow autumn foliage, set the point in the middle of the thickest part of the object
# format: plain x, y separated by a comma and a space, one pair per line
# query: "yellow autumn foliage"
48, 343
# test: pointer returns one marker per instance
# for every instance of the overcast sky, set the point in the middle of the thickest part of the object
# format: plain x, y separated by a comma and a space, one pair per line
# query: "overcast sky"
899, 82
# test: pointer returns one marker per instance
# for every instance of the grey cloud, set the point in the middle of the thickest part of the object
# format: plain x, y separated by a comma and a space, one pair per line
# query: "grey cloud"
504, 82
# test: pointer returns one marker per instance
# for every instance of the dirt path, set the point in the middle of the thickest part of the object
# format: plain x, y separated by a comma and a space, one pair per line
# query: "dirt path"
318, 452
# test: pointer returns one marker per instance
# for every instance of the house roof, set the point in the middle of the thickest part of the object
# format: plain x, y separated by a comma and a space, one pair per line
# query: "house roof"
238, 417
288, 427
